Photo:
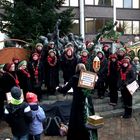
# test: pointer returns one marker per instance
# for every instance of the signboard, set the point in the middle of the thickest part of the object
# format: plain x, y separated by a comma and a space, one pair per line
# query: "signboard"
87, 79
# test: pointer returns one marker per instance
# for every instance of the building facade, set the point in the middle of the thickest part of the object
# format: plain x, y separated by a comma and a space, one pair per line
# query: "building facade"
98, 12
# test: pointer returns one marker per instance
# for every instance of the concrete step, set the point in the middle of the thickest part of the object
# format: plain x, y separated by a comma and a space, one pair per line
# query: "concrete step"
106, 107
101, 106
105, 100
118, 112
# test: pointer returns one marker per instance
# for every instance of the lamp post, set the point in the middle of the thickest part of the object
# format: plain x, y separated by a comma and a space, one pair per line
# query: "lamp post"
82, 25
114, 13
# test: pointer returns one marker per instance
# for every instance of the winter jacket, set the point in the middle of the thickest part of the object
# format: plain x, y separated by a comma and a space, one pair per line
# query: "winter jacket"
68, 67
18, 117
38, 115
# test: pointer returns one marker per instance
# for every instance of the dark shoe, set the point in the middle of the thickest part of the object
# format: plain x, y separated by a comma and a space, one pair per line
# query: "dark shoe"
127, 116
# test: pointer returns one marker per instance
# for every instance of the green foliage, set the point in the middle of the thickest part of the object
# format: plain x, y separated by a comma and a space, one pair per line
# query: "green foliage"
108, 32
111, 33
27, 20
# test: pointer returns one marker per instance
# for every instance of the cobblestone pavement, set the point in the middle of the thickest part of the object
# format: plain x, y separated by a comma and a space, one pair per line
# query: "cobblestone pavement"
121, 129
114, 129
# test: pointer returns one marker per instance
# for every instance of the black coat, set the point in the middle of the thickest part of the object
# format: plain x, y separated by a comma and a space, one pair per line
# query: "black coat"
113, 73
52, 75
24, 81
130, 77
8, 82
31, 65
68, 67
77, 129
102, 73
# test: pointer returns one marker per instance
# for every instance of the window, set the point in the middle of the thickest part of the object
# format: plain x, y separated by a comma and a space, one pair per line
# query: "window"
119, 3
74, 3
108, 2
98, 24
88, 2
127, 3
98, 2
136, 4
66, 3
89, 25
128, 27
136, 27
104, 2
120, 27
76, 26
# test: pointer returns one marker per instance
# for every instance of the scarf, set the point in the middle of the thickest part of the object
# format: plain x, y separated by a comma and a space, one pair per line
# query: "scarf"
26, 73
52, 60
16, 102
14, 76
69, 57
35, 66
123, 75
123, 72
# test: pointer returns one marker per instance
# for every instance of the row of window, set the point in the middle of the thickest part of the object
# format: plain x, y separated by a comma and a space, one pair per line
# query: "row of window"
119, 3
94, 25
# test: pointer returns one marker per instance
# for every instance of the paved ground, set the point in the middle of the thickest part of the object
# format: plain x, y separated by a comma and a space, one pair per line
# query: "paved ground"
114, 129
121, 129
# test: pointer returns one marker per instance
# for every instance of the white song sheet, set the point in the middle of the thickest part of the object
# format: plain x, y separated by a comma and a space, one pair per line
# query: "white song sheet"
132, 87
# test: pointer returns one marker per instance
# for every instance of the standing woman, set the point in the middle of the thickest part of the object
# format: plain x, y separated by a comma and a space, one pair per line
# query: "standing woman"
77, 129
113, 73
68, 63
9, 78
127, 76
36, 70
24, 77
52, 72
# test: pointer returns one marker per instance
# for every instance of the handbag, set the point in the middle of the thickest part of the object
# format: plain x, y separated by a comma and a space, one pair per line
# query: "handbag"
52, 126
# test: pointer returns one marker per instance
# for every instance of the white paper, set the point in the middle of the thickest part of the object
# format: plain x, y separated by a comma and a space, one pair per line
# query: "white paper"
132, 87
69, 91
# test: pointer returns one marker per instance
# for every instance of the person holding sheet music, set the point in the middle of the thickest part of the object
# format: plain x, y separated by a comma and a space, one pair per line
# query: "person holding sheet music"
126, 76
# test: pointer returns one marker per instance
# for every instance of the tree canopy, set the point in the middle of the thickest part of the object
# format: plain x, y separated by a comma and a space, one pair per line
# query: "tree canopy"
28, 19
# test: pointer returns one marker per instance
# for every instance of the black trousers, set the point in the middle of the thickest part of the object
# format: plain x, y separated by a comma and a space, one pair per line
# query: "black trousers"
101, 88
127, 100
113, 93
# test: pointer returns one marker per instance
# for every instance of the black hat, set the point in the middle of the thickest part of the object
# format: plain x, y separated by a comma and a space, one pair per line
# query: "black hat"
16, 93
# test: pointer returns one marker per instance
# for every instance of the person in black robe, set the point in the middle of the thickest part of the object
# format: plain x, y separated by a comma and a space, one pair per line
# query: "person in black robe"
76, 129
